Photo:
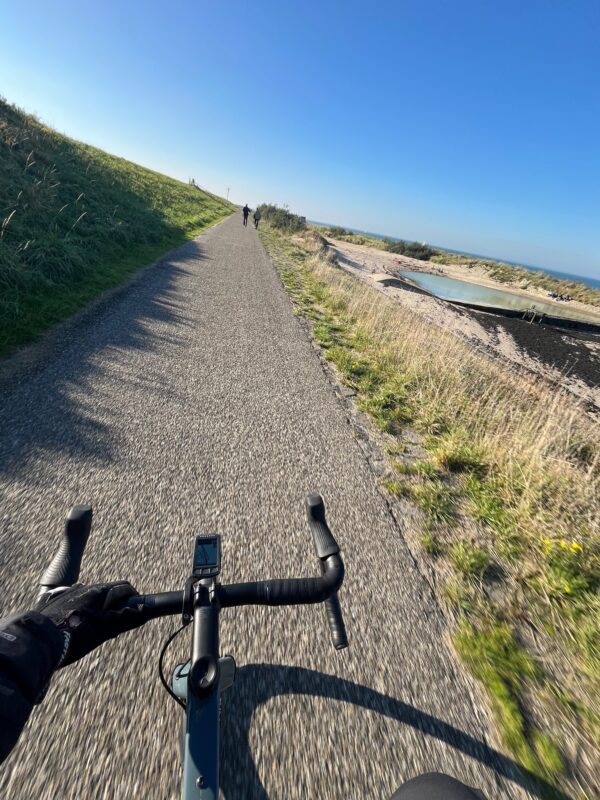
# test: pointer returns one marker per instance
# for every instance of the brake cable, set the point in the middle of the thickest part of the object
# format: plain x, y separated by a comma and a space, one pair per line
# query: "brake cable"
161, 661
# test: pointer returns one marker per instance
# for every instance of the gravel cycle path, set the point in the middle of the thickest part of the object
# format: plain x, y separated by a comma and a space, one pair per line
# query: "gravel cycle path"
194, 402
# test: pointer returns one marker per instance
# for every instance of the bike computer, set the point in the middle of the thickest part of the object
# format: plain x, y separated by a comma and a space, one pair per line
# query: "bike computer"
207, 556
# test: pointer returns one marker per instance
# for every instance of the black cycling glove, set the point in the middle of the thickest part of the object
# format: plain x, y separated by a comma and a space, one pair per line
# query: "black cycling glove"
87, 616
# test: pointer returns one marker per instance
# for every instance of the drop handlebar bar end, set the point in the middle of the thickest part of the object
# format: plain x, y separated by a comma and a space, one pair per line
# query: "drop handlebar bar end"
336, 622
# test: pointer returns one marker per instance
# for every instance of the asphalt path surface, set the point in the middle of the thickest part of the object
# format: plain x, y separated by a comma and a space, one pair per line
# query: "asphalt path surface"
194, 402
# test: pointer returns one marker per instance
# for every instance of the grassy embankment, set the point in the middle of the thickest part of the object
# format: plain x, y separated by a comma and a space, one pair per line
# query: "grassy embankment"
75, 221
505, 480
498, 270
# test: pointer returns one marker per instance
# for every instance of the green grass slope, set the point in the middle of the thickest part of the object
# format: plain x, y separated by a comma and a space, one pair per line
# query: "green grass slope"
75, 221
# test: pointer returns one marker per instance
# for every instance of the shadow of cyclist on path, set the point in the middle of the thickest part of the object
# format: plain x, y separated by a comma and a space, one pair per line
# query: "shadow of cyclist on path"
257, 683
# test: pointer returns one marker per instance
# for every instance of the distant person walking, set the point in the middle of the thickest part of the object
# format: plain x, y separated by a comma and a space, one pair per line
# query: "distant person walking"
245, 212
256, 218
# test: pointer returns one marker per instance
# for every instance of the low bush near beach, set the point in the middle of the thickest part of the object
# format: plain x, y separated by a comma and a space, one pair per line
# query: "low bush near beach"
411, 249
282, 218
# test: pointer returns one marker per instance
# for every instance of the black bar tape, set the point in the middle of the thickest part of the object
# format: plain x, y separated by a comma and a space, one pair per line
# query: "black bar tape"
286, 592
333, 612
163, 604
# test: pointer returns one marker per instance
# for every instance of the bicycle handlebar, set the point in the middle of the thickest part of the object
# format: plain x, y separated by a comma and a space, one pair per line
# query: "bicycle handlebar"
64, 571
284, 592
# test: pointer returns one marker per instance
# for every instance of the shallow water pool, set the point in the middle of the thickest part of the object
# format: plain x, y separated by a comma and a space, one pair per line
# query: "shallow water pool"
461, 291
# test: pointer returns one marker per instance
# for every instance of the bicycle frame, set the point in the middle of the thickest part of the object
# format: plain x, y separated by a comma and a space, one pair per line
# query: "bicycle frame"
200, 683
200, 745
200, 738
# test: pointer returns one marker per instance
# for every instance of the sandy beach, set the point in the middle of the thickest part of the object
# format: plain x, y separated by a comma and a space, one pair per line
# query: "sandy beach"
566, 359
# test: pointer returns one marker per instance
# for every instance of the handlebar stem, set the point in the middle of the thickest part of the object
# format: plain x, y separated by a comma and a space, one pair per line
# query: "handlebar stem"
204, 669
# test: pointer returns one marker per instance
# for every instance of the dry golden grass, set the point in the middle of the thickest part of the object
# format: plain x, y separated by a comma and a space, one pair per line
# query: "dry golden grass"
510, 460
542, 443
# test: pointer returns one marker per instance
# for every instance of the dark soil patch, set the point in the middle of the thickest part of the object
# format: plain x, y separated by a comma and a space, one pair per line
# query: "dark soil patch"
564, 350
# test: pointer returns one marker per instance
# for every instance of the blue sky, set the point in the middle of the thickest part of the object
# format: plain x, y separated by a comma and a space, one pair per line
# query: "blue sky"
469, 124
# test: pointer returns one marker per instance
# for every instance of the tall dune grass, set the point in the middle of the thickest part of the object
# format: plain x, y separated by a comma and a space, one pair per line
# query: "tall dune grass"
508, 483
543, 446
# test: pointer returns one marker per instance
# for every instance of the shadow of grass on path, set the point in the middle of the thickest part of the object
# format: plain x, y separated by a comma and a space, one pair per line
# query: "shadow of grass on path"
50, 404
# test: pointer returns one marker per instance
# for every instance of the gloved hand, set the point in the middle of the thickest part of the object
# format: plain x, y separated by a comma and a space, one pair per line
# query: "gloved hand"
90, 615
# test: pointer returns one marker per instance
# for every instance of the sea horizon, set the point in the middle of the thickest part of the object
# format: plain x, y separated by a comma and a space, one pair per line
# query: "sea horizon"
593, 283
